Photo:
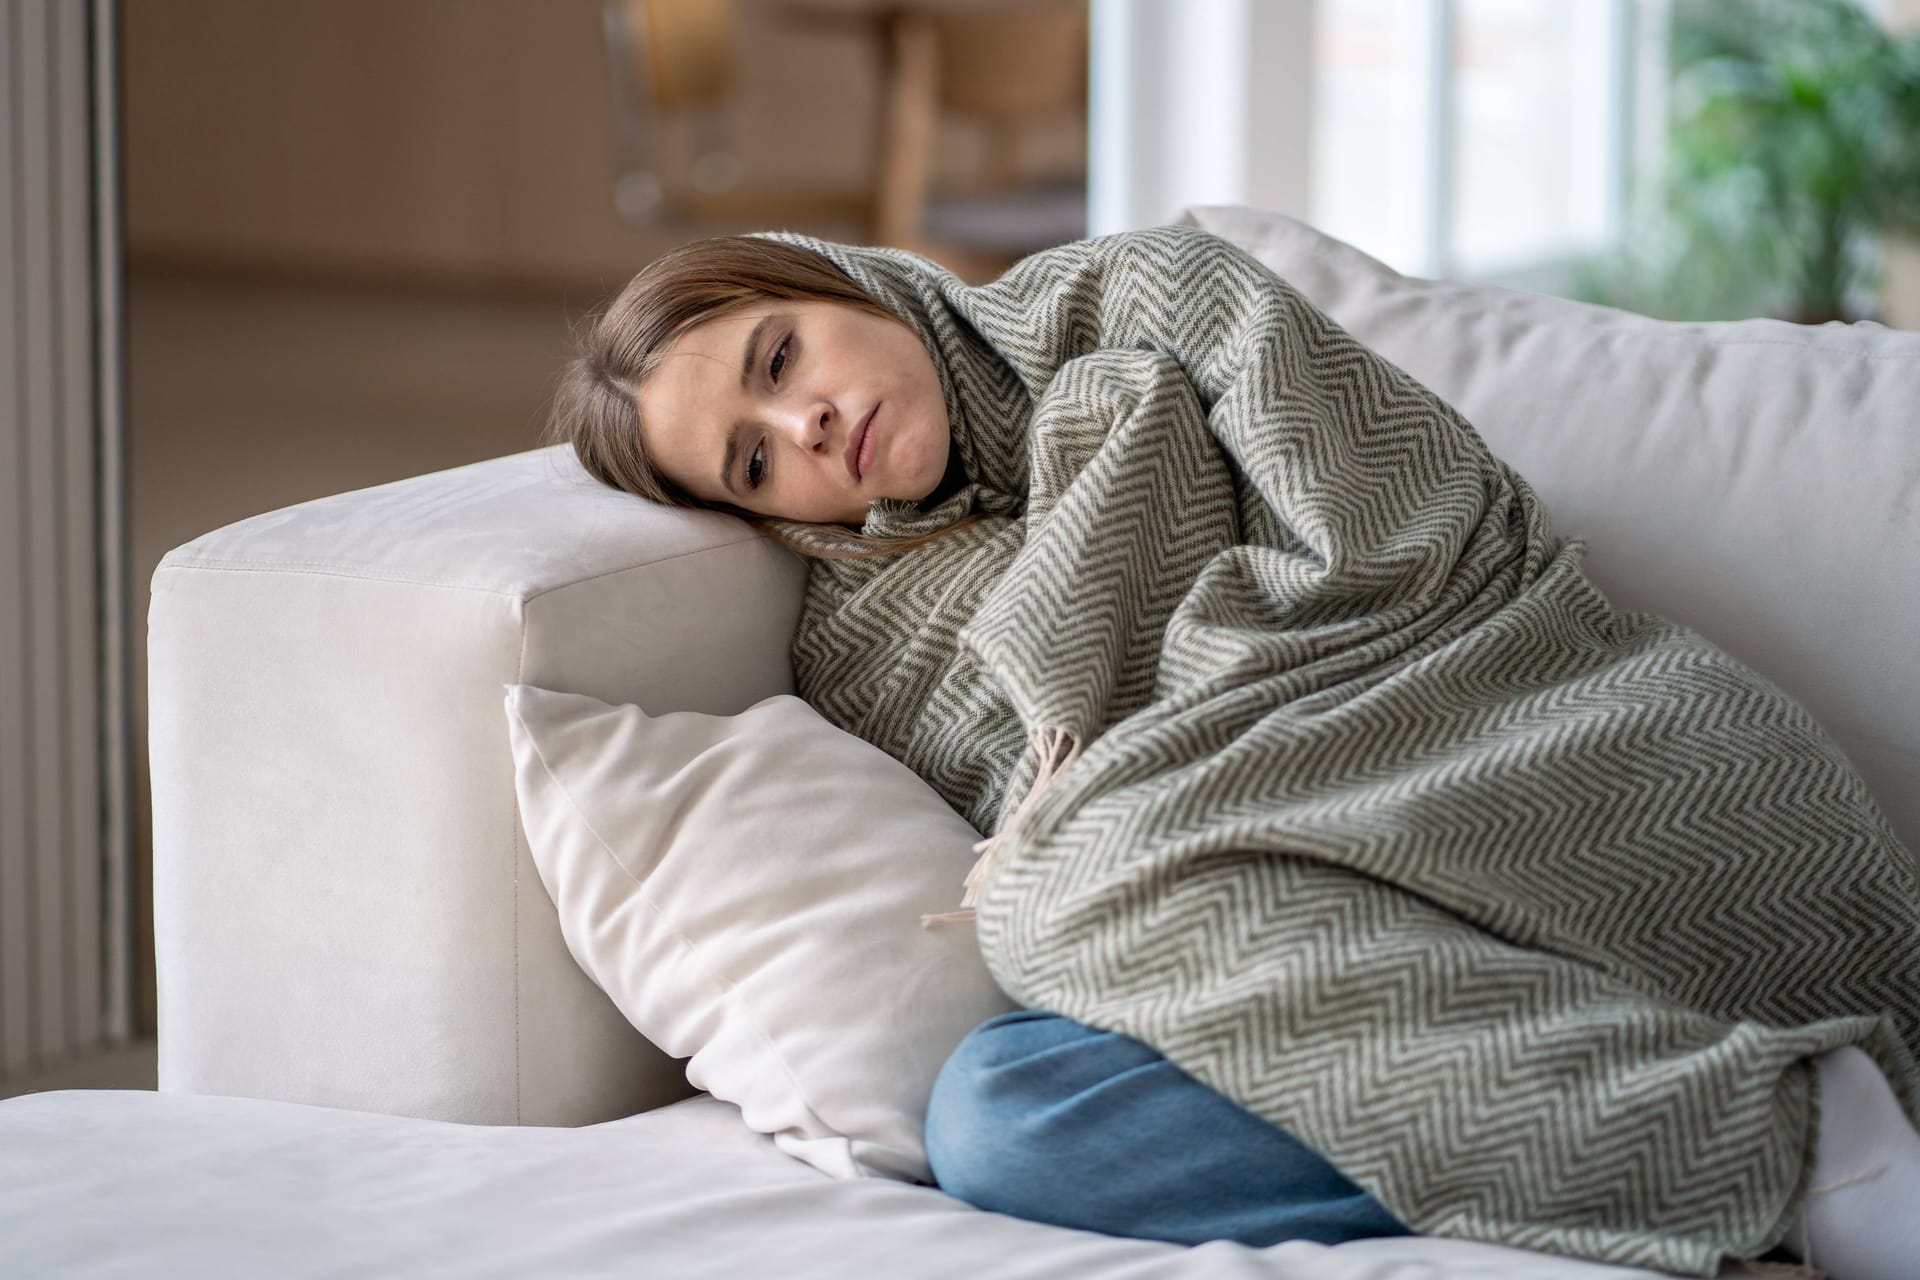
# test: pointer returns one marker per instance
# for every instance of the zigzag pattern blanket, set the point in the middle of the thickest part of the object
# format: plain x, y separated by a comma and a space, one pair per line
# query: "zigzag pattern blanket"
1371, 811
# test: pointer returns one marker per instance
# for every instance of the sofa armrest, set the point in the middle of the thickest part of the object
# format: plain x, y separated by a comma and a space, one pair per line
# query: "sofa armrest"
346, 913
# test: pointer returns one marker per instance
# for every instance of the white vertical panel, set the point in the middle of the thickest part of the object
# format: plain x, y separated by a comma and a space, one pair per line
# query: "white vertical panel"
79, 569
1373, 114
1190, 103
1123, 144
45, 520
54, 997
1598, 97
1435, 193
1203, 55
1619, 94
116, 764
16, 917
1280, 91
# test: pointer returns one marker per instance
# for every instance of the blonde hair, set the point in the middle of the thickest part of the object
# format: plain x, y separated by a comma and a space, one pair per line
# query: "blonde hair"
595, 408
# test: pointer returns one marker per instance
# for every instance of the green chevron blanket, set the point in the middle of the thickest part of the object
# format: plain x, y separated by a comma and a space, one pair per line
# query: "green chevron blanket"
1314, 761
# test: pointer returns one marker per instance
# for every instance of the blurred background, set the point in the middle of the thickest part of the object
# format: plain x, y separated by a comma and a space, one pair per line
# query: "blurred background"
270, 250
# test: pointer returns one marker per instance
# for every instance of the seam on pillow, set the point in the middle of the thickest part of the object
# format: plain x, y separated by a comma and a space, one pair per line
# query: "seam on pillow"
322, 569
1324, 247
1806, 346
1327, 247
361, 574
687, 944
513, 800
680, 555
1650, 327
1320, 252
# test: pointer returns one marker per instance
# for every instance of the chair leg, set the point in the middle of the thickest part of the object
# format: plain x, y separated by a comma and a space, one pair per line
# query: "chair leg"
904, 167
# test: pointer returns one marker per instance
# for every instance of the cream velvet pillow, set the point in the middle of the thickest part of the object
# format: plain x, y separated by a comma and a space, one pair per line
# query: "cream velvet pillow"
748, 890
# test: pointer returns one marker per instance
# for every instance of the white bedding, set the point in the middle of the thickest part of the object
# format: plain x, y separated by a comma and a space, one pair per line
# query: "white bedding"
117, 1183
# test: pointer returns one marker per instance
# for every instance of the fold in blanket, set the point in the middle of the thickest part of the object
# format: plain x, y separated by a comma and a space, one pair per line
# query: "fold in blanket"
1526, 912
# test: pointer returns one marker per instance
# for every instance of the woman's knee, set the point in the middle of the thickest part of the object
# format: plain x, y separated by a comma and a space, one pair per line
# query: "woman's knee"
983, 1091
1041, 1117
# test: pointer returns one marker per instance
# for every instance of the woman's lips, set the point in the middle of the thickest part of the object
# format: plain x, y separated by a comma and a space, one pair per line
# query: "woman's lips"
860, 445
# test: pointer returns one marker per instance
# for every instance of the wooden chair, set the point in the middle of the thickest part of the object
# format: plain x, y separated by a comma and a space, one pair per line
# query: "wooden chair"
673, 61
1003, 66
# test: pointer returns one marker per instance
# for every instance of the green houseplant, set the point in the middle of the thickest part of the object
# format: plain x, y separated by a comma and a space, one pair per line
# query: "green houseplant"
1793, 142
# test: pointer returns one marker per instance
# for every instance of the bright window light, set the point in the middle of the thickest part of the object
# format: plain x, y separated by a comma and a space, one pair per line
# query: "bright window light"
1472, 138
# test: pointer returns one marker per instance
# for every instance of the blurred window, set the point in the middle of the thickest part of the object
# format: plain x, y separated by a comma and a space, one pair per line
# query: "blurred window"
1478, 139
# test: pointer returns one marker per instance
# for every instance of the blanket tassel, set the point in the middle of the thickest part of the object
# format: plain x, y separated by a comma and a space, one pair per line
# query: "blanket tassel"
1057, 751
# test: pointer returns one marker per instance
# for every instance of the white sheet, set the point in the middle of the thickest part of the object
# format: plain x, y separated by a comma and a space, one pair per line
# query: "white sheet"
119, 1183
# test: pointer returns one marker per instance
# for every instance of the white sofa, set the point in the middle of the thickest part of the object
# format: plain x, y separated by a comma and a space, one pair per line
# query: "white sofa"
377, 1055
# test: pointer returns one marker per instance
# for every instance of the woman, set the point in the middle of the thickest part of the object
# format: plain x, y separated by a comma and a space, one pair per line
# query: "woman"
1311, 760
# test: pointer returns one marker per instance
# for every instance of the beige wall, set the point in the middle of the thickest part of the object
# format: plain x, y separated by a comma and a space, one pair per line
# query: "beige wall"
471, 139
462, 138
369, 136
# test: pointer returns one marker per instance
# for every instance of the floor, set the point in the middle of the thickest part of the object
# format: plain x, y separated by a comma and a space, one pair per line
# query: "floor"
133, 1067
246, 395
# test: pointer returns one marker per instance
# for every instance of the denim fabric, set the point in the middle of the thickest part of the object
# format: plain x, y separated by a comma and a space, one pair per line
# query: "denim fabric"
1041, 1117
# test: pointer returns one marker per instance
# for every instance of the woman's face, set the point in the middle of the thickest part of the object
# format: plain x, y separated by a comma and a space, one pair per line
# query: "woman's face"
803, 410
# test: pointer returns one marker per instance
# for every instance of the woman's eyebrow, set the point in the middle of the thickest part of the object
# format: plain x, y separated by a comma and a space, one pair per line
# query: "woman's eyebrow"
733, 432
753, 345
733, 448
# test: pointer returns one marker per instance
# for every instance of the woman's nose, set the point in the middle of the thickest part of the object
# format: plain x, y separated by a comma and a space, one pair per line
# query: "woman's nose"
812, 424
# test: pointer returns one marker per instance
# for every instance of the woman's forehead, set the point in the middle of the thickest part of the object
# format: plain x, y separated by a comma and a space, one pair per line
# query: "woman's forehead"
713, 349
683, 406
729, 328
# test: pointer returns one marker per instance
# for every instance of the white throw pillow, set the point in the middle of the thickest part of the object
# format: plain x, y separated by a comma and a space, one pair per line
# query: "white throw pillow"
748, 890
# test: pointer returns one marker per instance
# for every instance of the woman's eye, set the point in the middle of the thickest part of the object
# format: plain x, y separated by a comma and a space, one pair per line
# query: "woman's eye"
757, 466
779, 360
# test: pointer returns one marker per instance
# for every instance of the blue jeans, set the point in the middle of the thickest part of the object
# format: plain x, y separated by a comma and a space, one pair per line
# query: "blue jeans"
1038, 1116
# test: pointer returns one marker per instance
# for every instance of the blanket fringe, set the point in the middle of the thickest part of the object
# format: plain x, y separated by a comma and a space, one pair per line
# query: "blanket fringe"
1058, 750
1806, 1268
